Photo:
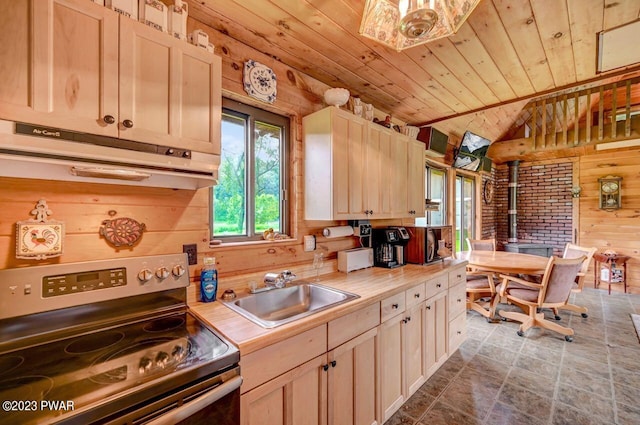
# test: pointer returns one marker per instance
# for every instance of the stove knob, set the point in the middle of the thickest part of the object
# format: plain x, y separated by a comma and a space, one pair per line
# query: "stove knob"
178, 270
145, 275
145, 365
177, 353
162, 359
162, 273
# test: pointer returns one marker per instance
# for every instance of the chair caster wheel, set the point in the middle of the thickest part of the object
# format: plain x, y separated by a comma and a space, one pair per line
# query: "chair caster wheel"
558, 317
585, 315
568, 338
520, 333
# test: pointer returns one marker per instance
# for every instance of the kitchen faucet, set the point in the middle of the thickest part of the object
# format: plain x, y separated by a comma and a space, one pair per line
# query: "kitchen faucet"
273, 281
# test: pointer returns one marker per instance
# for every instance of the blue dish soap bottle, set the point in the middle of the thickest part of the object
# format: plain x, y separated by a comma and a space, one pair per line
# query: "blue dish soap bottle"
209, 280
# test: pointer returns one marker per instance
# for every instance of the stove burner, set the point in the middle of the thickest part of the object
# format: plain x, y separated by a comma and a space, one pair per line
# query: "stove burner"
164, 324
9, 363
35, 387
93, 342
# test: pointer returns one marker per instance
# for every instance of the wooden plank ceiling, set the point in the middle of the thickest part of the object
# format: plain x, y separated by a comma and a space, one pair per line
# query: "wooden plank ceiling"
506, 54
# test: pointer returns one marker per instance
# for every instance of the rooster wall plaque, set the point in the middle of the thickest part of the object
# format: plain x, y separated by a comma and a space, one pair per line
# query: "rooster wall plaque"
39, 238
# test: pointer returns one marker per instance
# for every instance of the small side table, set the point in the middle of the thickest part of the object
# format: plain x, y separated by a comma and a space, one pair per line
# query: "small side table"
610, 263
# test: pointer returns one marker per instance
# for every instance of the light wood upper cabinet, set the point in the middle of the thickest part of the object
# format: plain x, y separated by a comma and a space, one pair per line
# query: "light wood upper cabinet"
415, 178
59, 62
356, 169
75, 65
170, 91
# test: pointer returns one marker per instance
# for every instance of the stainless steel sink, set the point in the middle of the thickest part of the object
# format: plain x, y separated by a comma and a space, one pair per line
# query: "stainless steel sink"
279, 306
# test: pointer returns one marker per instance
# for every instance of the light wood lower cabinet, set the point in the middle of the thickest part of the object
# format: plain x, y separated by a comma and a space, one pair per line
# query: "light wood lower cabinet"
352, 381
338, 387
298, 396
402, 342
436, 331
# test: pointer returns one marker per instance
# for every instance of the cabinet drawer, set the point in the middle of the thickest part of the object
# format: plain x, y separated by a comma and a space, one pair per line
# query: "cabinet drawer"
436, 285
392, 306
457, 276
414, 295
457, 300
457, 332
350, 326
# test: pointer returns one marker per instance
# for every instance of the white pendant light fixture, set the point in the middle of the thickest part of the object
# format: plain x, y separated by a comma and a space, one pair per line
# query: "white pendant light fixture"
401, 24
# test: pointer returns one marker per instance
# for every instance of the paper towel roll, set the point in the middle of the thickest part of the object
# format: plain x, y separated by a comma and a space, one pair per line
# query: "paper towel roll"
337, 232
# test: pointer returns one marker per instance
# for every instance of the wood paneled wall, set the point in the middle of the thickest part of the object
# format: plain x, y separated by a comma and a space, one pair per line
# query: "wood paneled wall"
617, 230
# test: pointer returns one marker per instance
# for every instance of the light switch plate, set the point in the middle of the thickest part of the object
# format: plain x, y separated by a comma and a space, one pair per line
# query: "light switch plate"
309, 243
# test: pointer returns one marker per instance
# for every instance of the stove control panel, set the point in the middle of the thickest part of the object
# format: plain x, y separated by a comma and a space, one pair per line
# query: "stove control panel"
82, 282
28, 290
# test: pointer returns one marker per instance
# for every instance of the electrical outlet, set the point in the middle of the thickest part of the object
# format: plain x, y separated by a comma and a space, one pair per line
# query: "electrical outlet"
192, 253
309, 243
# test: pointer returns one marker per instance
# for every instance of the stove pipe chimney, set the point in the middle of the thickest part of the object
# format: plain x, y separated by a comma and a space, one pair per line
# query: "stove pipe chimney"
513, 201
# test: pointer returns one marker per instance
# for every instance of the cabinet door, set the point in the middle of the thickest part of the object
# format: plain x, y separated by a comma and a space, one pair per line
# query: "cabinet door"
169, 90
414, 362
415, 179
391, 366
297, 397
378, 185
59, 64
436, 332
398, 176
352, 381
349, 162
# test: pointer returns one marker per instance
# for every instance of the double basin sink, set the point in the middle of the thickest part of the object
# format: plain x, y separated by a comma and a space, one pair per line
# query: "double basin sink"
276, 307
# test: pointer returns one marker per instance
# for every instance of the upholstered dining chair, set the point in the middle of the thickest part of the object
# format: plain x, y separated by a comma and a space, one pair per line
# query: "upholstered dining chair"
552, 292
480, 284
481, 244
575, 251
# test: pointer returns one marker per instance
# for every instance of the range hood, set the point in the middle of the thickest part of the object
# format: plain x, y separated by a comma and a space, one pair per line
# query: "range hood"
31, 151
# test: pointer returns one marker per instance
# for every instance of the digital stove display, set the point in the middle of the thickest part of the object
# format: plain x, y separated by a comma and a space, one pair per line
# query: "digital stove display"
53, 286
83, 371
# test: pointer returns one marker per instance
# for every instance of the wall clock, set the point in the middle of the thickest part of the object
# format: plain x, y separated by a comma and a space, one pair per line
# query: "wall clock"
259, 81
609, 188
487, 191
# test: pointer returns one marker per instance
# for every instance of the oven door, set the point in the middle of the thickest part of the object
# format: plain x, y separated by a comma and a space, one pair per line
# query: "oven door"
214, 401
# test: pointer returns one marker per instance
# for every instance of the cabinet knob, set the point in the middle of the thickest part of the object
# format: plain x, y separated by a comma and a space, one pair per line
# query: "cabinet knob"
127, 123
109, 119
459, 300
439, 285
459, 332
416, 295
394, 306
325, 367
428, 307
408, 319
333, 363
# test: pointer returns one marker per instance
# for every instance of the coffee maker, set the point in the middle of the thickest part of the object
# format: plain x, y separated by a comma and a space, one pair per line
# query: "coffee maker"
388, 246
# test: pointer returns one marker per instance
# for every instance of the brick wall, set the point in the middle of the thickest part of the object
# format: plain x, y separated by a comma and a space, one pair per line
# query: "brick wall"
489, 216
544, 204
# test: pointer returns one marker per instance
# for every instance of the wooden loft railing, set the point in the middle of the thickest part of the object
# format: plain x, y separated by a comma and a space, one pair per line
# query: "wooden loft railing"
571, 123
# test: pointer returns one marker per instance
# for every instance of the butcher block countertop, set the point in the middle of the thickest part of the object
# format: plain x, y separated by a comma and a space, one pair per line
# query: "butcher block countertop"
372, 285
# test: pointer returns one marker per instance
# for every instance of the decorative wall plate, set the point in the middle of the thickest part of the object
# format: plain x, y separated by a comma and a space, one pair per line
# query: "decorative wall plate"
259, 81
39, 238
122, 231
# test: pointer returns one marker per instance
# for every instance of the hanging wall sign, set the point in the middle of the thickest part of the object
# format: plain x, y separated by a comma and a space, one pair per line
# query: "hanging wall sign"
39, 238
259, 81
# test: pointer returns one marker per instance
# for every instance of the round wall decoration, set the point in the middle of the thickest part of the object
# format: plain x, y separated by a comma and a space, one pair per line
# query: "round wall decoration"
487, 191
259, 81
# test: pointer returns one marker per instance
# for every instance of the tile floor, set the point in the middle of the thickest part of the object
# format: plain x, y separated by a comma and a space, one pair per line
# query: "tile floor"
498, 377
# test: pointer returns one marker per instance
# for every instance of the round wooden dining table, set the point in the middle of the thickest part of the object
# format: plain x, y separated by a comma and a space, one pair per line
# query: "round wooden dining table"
505, 262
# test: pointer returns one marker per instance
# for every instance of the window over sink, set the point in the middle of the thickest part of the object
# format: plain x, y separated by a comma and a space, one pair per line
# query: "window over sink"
250, 197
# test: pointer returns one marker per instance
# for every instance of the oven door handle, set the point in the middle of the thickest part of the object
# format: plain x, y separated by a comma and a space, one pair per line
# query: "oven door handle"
199, 403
